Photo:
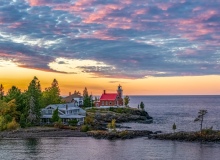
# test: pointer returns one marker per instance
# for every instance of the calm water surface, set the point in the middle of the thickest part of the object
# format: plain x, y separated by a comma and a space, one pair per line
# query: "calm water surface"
181, 110
164, 109
92, 149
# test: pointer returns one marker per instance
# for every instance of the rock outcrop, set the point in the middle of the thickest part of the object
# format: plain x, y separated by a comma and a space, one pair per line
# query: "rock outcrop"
127, 134
122, 115
188, 136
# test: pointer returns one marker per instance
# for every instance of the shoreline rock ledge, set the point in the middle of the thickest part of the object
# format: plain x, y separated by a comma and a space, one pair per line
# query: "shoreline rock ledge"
188, 136
126, 134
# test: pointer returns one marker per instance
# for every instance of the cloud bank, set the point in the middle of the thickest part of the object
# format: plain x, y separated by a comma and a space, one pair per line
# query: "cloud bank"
125, 39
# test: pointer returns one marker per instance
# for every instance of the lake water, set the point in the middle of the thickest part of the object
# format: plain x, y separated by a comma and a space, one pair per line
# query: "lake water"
181, 110
164, 109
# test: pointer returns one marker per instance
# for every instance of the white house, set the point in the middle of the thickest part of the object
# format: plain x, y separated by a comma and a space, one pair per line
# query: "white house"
75, 98
67, 111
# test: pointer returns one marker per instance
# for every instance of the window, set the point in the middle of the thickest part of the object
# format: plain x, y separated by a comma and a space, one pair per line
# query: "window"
102, 102
106, 102
110, 103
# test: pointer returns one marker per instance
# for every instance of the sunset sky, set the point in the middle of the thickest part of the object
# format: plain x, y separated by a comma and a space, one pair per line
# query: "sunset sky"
150, 47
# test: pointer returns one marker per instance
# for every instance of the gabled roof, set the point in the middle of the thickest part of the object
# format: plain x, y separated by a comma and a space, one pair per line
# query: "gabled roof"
64, 107
109, 96
70, 98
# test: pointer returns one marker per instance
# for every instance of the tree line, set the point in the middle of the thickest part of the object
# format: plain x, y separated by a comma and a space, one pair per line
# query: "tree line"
23, 109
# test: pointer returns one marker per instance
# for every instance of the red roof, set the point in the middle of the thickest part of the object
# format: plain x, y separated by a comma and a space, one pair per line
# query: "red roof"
108, 96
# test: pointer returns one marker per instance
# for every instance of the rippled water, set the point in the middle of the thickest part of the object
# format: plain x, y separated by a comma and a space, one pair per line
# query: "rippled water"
92, 149
164, 109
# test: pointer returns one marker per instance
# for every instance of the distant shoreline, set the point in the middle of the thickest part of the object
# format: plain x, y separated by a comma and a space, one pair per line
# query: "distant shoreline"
39, 132
51, 132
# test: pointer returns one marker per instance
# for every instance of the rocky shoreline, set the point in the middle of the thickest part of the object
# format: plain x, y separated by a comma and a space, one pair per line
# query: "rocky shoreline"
120, 115
39, 132
126, 134
188, 136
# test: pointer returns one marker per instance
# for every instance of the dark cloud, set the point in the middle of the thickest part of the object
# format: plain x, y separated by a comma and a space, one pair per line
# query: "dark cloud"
135, 38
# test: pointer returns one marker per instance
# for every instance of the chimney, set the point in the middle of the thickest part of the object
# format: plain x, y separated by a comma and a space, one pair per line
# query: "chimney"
69, 93
104, 92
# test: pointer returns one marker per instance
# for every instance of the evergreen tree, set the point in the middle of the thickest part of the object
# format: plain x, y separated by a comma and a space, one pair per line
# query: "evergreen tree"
174, 127
142, 105
85, 92
32, 115
22, 121
33, 100
51, 95
55, 116
200, 118
15, 93
87, 100
126, 101
77, 92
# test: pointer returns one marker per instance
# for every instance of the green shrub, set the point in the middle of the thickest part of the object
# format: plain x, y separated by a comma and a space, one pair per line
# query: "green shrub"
119, 110
84, 128
208, 131
112, 125
73, 122
123, 133
12, 125
58, 124
111, 109
89, 120
73, 128
3, 124
8, 118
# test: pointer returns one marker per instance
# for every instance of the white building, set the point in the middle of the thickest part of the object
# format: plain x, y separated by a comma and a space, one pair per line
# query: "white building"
67, 111
75, 98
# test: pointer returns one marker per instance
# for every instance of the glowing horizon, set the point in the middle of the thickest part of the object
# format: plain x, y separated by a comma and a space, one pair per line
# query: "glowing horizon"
150, 48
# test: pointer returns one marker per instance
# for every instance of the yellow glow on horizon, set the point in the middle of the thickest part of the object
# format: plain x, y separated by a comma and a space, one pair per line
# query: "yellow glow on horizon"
76, 65
11, 74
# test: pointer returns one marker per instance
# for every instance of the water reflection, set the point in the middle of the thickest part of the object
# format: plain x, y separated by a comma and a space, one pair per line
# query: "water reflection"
31, 146
89, 148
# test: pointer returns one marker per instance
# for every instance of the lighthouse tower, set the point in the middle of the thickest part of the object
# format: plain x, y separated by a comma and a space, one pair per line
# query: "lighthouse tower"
120, 91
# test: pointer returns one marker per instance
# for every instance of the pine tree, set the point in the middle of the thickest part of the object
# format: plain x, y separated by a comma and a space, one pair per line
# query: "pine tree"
77, 92
32, 117
22, 121
142, 105
126, 101
34, 100
86, 98
85, 92
51, 95
174, 127
200, 118
55, 116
